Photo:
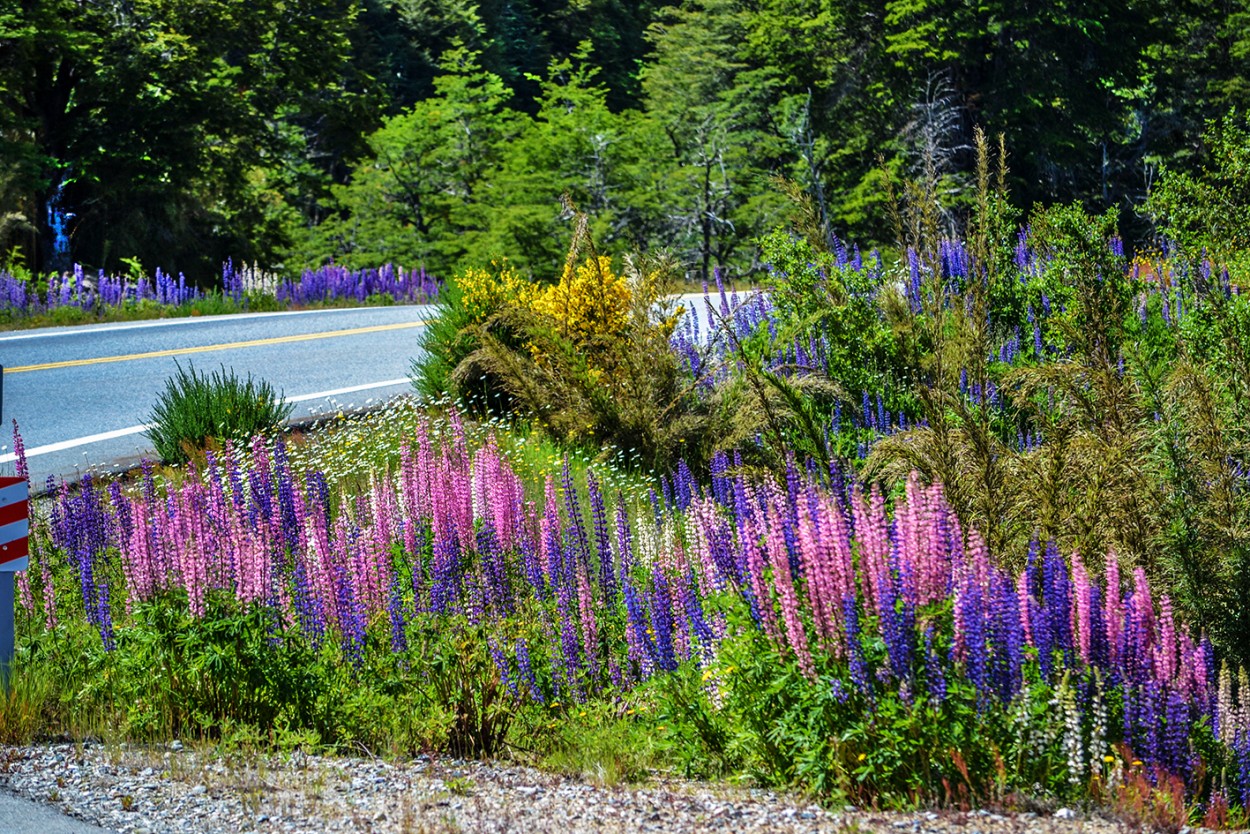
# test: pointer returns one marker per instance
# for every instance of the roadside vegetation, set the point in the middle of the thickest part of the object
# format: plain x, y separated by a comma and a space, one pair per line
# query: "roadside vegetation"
74, 297
962, 525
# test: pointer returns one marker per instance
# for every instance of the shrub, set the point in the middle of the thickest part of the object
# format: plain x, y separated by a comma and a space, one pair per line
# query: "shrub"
451, 336
587, 358
197, 410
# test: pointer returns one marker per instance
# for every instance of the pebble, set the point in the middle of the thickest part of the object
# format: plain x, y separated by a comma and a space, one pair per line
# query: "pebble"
307, 794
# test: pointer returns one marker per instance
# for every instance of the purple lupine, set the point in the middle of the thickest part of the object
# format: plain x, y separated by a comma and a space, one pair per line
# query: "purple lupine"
1057, 596
394, 613
660, 600
642, 648
1006, 636
969, 645
603, 539
1242, 761
576, 529
19, 452
526, 666
566, 606
935, 677
861, 675
1176, 729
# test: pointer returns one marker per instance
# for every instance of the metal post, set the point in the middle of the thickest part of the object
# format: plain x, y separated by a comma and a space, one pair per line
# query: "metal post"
7, 624
6, 629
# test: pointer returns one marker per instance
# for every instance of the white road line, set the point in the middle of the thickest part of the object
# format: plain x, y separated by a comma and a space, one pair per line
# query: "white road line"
62, 445
352, 390
77, 441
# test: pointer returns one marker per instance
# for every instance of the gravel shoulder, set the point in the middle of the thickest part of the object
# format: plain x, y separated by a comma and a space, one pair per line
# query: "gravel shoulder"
134, 790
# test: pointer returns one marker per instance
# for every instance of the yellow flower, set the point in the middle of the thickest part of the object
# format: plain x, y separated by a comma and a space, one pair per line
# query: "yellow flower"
1136, 762
1108, 759
862, 756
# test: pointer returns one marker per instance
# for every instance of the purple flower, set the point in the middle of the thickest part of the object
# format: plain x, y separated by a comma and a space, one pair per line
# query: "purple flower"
527, 670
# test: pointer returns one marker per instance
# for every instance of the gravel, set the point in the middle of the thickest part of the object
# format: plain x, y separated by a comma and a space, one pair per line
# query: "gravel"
178, 790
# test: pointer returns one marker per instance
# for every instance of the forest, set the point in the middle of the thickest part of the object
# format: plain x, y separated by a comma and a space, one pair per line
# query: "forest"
439, 134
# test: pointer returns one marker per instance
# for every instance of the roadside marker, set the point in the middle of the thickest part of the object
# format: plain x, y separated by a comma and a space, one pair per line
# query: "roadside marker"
14, 524
14, 554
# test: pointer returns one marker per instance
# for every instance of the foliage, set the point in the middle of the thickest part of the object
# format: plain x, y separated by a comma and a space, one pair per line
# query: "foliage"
894, 664
197, 411
1206, 212
586, 358
443, 133
76, 298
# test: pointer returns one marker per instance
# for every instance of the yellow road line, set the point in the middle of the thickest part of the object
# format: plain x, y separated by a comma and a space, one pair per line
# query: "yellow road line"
155, 354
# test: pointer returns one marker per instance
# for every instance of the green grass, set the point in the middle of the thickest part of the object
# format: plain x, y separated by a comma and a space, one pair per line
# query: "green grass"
198, 411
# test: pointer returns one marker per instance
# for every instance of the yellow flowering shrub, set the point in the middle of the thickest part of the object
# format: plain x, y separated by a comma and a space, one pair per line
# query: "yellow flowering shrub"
589, 301
484, 292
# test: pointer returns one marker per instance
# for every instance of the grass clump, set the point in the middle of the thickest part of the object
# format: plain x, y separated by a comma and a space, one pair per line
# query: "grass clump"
197, 410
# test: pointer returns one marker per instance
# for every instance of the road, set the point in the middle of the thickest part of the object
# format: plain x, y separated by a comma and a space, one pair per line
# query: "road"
24, 816
82, 395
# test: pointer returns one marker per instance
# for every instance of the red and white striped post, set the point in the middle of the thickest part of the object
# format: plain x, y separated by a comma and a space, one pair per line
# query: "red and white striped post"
14, 556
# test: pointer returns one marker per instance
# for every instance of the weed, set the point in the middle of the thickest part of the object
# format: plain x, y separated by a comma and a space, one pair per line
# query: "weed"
198, 411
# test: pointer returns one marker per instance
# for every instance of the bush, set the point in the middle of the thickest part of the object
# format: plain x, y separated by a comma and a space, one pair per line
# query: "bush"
450, 336
587, 358
198, 410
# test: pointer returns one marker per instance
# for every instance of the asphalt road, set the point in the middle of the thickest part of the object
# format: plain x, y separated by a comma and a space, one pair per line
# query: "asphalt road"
81, 395
22, 816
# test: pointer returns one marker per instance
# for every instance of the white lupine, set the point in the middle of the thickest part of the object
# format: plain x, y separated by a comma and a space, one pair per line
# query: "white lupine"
1242, 724
1225, 706
1072, 746
648, 544
1098, 724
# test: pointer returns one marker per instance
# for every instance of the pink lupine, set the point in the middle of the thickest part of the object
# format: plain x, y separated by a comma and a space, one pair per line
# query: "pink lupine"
838, 554
1080, 607
462, 500
1113, 609
425, 470
749, 537
590, 628
24, 596
780, 560
137, 558
874, 546
320, 568
1024, 600
1165, 642
49, 595
705, 525
191, 557
825, 601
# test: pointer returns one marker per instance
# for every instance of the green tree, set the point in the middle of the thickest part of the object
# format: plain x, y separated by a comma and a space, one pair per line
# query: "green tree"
422, 197
164, 129
573, 147
708, 111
